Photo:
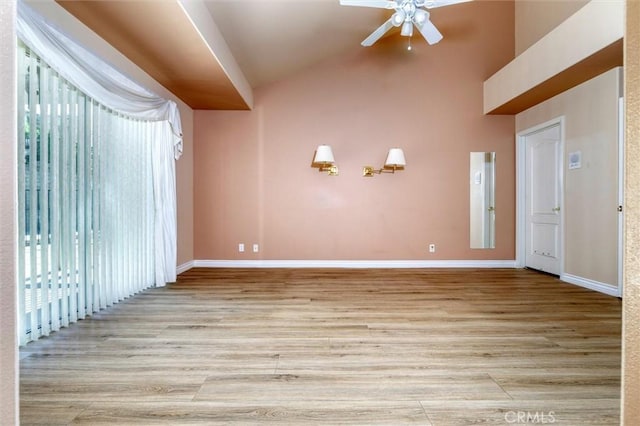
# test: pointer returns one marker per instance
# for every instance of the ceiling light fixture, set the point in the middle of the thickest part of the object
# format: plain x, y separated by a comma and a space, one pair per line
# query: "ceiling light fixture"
408, 13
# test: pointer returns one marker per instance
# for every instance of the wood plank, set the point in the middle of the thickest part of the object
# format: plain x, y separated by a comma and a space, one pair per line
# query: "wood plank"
248, 413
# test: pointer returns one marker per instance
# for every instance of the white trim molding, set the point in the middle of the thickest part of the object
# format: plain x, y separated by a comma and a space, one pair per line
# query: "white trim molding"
185, 266
348, 264
591, 285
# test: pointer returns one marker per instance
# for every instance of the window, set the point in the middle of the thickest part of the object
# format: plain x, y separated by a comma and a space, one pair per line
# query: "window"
85, 202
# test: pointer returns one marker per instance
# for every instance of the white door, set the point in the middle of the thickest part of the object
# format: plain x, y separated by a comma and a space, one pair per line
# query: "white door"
543, 200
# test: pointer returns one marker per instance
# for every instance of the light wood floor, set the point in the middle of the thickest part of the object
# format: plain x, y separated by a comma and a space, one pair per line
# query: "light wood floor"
322, 346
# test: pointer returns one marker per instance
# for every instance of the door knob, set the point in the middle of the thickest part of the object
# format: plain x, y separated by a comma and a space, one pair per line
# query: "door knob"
555, 209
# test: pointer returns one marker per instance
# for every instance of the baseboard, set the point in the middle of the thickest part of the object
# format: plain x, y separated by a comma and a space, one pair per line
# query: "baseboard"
185, 267
354, 263
591, 284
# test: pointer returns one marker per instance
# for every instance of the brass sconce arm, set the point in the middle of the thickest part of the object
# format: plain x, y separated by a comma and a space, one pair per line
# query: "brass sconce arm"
368, 171
329, 168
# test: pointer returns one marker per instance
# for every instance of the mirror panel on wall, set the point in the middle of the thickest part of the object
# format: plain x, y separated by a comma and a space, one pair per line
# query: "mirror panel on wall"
482, 212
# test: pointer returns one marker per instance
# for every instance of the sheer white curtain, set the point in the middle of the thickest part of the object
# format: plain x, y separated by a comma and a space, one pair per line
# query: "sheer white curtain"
109, 87
164, 194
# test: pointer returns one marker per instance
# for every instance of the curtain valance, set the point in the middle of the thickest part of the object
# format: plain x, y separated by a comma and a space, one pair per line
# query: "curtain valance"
94, 76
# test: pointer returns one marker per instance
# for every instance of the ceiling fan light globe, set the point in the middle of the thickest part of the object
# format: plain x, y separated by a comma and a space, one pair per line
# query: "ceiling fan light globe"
407, 29
420, 16
398, 18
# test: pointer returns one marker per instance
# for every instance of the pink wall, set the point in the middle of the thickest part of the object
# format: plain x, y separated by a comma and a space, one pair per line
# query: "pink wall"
252, 177
184, 189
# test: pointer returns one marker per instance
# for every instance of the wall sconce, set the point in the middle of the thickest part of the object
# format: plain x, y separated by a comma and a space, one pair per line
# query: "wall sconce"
323, 159
395, 161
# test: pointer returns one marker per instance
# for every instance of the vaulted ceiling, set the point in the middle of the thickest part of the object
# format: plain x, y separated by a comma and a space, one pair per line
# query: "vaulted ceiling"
182, 44
211, 53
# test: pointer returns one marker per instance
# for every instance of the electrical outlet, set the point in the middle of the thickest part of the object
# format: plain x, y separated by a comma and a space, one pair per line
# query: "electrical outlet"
241, 247
256, 248
432, 248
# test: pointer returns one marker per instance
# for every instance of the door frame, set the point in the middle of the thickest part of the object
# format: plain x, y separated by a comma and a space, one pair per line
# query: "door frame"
621, 174
521, 157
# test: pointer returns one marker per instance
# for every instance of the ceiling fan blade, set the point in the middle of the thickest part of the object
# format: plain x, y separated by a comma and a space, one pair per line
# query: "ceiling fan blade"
375, 36
383, 4
430, 32
430, 4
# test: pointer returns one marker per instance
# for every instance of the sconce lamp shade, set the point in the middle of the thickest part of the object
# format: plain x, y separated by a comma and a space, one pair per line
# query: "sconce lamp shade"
395, 158
324, 155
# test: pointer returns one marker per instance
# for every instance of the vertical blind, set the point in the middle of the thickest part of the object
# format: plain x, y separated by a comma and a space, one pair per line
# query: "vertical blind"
85, 198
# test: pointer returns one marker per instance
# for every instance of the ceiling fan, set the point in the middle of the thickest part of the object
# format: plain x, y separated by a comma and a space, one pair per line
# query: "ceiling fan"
407, 14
